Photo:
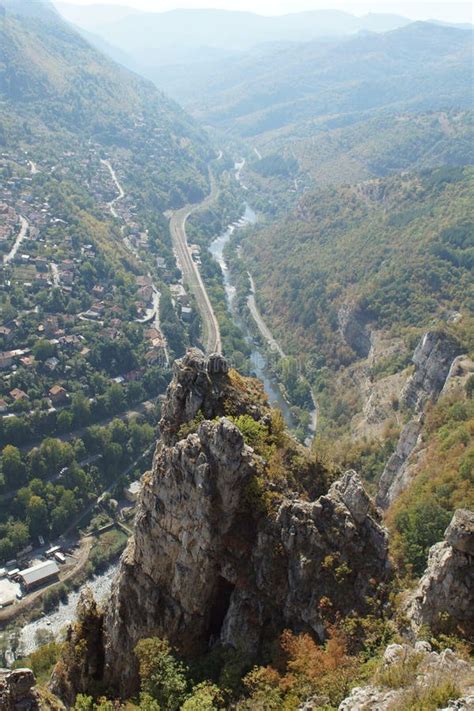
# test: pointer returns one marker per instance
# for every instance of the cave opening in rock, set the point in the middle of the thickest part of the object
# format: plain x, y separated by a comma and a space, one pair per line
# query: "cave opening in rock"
220, 607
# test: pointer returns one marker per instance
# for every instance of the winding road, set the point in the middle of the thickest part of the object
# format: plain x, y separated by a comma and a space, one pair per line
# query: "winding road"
19, 239
261, 325
121, 192
190, 271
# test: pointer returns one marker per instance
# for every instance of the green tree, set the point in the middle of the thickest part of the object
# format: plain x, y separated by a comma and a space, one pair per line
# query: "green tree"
115, 398
37, 516
43, 349
56, 454
65, 420
421, 527
161, 675
81, 408
18, 535
204, 697
13, 468
112, 458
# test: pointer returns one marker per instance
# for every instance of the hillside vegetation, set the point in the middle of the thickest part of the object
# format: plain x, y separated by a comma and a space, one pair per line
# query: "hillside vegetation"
53, 84
398, 248
416, 68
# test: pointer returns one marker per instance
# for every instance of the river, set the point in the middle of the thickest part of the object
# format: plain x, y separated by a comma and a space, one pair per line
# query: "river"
258, 360
57, 620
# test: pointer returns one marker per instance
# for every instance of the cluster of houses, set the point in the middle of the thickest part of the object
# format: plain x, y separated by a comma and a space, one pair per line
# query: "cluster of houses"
181, 299
38, 266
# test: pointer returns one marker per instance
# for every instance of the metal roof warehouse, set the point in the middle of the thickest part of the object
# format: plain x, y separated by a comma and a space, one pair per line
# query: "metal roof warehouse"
39, 574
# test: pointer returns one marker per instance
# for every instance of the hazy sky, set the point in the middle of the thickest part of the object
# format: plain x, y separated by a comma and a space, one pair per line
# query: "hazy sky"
416, 10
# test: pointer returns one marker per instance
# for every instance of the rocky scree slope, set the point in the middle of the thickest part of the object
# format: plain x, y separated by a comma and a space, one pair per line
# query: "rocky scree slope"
222, 553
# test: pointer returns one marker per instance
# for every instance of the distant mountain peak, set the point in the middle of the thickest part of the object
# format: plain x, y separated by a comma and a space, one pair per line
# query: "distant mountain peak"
42, 9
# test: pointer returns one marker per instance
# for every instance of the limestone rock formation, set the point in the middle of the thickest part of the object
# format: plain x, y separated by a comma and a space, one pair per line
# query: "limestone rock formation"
170, 581
83, 659
445, 594
353, 327
17, 690
397, 472
209, 561
429, 669
460, 532
433, 358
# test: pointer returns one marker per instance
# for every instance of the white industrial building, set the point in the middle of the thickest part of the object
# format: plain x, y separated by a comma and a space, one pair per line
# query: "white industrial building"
39, 574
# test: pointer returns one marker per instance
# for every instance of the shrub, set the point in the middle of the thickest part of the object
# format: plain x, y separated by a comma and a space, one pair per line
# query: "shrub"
161, 675
430, 699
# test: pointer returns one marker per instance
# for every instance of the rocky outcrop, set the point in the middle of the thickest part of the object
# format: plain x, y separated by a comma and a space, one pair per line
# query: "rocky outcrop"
396, 474
220, 554
353, 327
433, 359
202, 385
82, 663
17, 690
460, 371
444, 598
424, 670
170, 582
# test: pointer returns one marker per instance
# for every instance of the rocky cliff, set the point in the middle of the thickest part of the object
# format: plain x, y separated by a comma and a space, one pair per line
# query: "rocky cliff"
224, 550
353, 327
444, 597
433, 360
17, 690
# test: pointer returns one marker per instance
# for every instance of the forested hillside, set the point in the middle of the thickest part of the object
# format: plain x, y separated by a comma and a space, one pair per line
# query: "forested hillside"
418, 67
398, 250
53, 84
372, 148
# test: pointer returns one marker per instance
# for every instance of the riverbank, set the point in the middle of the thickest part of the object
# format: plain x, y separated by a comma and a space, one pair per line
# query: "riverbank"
263, 347
53, 624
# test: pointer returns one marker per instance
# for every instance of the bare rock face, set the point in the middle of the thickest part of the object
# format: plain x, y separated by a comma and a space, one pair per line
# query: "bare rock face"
17, 690
433, 358
201, 384
208, 563
431, 669
170, 580
353, 328
460, 532
396, 474
445, 593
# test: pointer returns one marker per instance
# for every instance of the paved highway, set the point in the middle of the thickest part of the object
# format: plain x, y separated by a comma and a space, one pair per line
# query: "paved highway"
191, 274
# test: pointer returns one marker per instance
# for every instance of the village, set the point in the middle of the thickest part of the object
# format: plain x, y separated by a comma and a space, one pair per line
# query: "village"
85, 357
63, 303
